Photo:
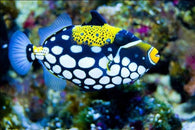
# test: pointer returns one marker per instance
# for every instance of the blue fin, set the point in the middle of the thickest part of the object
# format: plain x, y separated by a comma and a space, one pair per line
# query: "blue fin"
97, 19
63, 20
52, 81
17, 53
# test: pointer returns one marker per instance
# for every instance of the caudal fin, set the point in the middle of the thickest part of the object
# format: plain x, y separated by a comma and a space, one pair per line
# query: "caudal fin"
20, 53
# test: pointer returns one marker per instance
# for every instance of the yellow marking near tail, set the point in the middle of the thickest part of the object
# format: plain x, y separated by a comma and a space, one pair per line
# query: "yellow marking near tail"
37, 49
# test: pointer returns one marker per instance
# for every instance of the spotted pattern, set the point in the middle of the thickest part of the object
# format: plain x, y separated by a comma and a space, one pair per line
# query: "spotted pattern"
76, 49
57, 50
86, 62
87, 71
67, 61
92, 35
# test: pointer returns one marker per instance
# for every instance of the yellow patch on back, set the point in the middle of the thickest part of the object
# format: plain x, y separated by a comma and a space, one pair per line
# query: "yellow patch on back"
93, 35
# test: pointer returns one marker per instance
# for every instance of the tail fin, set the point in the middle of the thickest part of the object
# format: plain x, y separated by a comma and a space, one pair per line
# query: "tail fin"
20, 53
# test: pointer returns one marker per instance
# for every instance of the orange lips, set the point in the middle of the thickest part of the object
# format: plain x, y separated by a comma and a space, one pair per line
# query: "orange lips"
153, 55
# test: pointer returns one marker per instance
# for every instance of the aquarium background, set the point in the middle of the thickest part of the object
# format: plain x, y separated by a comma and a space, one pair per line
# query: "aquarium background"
164, 98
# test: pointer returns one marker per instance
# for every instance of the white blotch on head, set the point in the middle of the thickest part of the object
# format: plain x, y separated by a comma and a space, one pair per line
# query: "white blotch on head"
47, 65
89, 81
104, 80
125, 72
134, 75
127, 80
57, 69
32, 56
133, 66
29, 49
86, 62
65, 37
143, 58
95, 73
67, 61
103, 62
79, 73
76, 81
98, 87
67, 74
76, 48
114, 70
117, 80
86, 87
109, 86
141, 70
57, 50
50, 58
125, 61
53, 39
96, 49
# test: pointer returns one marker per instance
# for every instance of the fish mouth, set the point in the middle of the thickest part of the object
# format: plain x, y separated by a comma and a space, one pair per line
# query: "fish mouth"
153, 55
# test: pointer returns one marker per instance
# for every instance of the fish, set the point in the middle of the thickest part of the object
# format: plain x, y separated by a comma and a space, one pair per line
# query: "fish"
93, 55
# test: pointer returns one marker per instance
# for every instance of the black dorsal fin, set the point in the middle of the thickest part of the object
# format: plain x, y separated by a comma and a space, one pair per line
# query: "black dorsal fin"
97, 19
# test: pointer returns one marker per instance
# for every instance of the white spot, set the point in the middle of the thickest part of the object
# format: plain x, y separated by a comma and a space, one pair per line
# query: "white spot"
53, 39
134, 75
50, 58
28, 49
98, 86
86, 62
57, 69
67, 74
76, 49
45, 50
89, 81
110, 57
117, 80
117, 59
45, 42
64, 29
76, 81
47, 65
95, 73
96, 49
143, 58
127, 80
125, 72
67, 61
57, 50
79, 73
32, 56
86, 87
40, 57
103, 62
65, 37
114, 70
133, 66
125, 61
104, 80
141, 70
109, 86
109, 49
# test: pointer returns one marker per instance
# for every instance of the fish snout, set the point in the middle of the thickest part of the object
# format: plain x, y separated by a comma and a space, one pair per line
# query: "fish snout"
153, 56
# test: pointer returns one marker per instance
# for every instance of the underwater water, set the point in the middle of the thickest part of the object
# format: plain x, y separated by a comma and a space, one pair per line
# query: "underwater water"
164, 98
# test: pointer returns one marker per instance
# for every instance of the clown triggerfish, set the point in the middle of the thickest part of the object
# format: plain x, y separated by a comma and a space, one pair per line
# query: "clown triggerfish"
93, 55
